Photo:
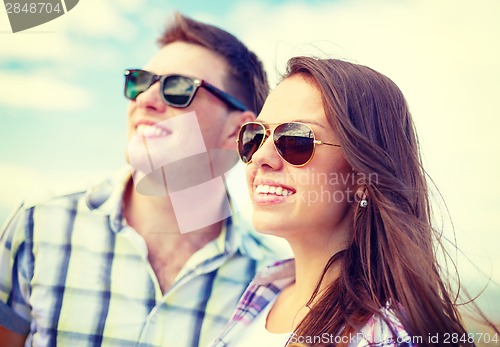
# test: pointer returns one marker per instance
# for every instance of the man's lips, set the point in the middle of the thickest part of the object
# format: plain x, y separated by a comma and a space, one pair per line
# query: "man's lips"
151, 129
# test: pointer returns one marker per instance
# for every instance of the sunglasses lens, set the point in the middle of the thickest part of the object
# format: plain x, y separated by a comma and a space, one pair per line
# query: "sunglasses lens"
294, 142
178, 90
136, 82
250, 139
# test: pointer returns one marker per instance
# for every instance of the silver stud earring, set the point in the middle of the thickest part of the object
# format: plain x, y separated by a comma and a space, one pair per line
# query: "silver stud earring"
363, 202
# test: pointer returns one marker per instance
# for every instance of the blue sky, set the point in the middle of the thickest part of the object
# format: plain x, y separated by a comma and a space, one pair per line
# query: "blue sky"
62, 113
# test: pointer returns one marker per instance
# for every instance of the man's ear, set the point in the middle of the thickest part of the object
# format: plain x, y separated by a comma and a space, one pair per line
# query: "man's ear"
233, 125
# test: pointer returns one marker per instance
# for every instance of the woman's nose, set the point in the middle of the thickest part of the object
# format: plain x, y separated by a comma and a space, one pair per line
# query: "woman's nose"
266, 156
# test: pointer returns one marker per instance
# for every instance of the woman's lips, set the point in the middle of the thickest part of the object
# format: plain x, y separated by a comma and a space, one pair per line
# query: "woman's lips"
271, 193
272, 189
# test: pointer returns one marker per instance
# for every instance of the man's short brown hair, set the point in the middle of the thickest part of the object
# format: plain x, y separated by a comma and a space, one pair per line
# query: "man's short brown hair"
246, 78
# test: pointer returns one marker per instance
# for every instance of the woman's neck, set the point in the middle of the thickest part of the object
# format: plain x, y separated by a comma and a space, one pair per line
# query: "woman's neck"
310, 262
311, 257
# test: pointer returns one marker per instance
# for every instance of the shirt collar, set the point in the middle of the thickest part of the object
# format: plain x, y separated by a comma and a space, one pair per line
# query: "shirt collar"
283, 270
242, 238
107, 198
238, 237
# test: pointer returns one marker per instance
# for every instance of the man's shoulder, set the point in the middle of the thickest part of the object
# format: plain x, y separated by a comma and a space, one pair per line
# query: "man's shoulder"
51, 217
41, 202
89, 196
53, 198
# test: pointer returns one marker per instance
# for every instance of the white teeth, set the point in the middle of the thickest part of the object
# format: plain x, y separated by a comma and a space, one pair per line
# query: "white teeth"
266, 189
150, 130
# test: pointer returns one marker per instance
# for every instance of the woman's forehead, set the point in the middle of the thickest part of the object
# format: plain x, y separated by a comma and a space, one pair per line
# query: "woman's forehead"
294, 99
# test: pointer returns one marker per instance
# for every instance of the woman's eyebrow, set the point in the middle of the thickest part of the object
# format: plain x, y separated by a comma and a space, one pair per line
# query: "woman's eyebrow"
310, 121
298, 120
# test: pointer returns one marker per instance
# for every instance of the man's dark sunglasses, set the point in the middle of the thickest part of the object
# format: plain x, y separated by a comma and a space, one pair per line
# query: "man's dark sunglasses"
176, 90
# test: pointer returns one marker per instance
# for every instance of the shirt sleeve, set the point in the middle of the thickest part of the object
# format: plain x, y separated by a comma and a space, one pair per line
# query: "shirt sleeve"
15, 248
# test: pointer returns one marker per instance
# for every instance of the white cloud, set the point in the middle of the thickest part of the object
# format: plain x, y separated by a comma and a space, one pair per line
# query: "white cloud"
55, 41
130, 6
35, 46
41, 92
4, 23
387, 35
101, 19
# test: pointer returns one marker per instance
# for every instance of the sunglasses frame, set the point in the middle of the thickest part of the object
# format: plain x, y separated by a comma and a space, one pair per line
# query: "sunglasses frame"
227, 98
270, 133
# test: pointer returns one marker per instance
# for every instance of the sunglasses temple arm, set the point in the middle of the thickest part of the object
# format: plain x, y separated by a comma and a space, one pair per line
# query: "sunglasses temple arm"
329, 144
227, 98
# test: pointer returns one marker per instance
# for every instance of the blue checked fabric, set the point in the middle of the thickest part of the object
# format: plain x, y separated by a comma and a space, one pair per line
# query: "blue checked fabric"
267, 285
72, 273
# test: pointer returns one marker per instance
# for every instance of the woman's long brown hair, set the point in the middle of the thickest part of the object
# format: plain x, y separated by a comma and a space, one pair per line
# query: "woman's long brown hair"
391, 257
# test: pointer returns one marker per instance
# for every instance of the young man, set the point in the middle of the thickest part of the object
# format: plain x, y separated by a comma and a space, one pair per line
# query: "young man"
147, 259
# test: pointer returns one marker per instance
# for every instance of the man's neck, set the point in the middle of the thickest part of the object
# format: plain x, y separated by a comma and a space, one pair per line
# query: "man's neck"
153, 217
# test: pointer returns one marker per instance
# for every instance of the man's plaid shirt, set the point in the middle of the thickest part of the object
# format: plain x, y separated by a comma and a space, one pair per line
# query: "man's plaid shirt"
73, 273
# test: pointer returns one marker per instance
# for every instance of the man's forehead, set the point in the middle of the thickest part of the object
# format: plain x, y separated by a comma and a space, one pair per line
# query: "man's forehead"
188, 59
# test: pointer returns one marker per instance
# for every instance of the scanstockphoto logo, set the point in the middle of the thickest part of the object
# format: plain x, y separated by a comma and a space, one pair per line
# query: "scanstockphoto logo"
28, 14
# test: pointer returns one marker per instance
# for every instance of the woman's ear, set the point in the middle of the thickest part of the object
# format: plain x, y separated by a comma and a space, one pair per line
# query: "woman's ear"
233, 125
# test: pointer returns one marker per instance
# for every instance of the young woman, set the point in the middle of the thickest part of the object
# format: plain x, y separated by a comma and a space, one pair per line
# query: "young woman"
333, 167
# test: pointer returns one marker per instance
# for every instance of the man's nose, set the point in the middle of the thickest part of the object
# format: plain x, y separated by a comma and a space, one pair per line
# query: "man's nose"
151, 99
